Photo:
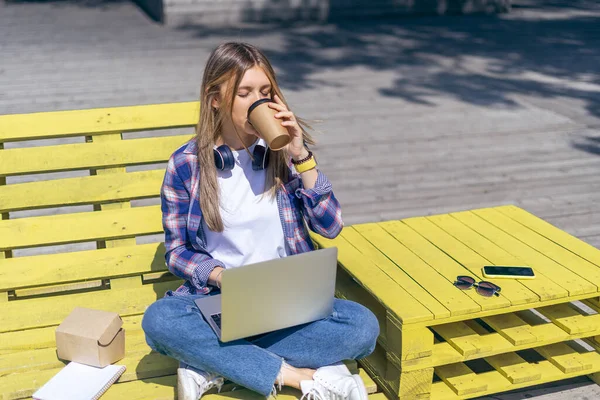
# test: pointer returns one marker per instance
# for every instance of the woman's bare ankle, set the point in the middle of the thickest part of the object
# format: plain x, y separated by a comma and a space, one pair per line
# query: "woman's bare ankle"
292, 376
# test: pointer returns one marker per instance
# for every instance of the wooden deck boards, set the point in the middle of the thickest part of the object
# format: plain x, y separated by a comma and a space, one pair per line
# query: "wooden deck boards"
420, 115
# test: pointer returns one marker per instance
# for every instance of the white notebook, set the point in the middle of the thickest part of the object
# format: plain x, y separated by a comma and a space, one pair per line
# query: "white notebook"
79, 382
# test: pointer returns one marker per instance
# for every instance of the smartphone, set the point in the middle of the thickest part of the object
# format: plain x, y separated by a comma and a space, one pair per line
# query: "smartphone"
501, 272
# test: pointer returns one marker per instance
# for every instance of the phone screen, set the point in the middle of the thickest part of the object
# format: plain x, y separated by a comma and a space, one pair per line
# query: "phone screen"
508, 271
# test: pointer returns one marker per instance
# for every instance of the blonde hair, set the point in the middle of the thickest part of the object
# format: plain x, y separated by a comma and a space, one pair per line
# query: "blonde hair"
227, 64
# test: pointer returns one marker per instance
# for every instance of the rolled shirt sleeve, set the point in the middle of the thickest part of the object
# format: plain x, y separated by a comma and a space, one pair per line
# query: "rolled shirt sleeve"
322, 210
181, 260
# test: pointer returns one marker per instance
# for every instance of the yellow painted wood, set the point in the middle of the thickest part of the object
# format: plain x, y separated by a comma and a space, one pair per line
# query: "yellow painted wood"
80, 227
80, 191
487, 313
97, 121
498, 383
129, 282
155, 276
378, 253
564, 239
564, 357
138, 365
477, 327
569, 319
569, 280
514, 368
437, 260
3, 216
159, 388
408, 270
36, 291
412, 343
542, 286
49, 311
445, 353
392, 296
89, 155
461, 379
546, 332
347, 288
43, 338
63, 268
136, 349
405, 385
3, 297
17, 341
542, 245
463, 338
117, 136
512, 328
17, 370
514, 291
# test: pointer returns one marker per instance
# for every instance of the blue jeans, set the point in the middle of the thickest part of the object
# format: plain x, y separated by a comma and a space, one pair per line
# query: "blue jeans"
175, 327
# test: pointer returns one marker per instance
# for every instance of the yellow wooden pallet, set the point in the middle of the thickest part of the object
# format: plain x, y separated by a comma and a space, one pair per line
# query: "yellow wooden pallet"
431, 332
404, 271
114, 186
23, 371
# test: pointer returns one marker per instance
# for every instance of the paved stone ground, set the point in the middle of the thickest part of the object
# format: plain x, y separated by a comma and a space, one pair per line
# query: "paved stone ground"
420, 115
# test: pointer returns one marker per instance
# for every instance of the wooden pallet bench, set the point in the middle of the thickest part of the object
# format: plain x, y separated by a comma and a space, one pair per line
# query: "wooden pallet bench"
91, 239
439, 342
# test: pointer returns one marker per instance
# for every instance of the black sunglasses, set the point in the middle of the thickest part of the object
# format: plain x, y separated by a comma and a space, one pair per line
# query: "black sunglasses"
484, 288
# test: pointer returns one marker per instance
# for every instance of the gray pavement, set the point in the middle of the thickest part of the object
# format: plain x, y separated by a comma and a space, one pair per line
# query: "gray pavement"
418, 115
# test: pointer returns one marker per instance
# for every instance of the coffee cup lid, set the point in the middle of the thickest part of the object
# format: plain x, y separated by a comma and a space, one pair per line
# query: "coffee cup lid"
258, 103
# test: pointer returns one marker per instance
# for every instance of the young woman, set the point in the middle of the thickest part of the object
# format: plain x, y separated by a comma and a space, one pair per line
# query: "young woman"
220, 216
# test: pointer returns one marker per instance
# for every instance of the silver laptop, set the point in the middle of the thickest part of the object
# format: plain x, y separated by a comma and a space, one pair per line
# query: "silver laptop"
272, 295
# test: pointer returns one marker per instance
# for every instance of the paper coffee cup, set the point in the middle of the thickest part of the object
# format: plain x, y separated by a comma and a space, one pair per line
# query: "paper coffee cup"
262, 118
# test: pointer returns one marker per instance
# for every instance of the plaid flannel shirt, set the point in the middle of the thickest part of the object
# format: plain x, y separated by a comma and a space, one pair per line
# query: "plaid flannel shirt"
185, 241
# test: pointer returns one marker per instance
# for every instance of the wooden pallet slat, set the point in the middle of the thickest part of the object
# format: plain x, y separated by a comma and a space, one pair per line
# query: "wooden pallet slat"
542, 286
549, 249
57, 124
514, 368
564, 357
568, 279
569, 319
395, 299
109, 154
363, 238
50, 311
512, 328
63, 268
416, 271
82, 227
513, 293
513, 372
438, 260
464, 339
560, 237
81, 190
43, 338
461, 379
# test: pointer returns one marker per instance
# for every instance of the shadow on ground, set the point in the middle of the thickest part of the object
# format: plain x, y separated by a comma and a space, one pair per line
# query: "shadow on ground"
478, 59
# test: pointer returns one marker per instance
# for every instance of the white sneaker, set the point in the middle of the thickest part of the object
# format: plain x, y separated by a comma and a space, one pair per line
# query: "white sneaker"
192, 382
333, 383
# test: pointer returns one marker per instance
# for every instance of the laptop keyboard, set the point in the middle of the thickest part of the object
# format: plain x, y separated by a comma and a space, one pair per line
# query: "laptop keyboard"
217, 319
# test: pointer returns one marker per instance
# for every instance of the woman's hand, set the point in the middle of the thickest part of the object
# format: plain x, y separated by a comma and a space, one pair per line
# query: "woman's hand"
296, 147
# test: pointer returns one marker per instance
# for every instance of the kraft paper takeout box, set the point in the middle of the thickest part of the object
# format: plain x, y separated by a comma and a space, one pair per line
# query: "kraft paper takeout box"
91, 337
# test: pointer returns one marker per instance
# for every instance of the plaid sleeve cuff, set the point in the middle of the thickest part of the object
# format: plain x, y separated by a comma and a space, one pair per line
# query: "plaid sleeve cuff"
203, 270
322, 187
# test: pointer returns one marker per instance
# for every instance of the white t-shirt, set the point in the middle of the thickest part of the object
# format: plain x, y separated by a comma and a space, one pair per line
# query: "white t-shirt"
253, 231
